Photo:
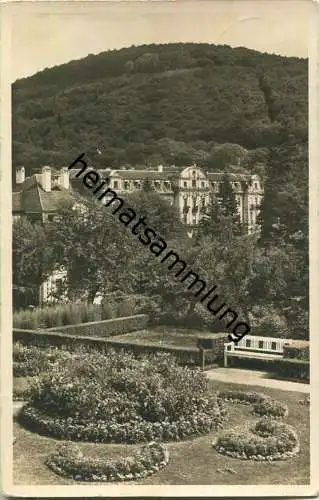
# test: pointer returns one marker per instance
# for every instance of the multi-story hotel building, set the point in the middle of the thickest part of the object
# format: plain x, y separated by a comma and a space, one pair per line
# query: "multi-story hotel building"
191, 189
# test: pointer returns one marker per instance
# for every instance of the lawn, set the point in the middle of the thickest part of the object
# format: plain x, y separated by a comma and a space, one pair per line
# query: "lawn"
192, 461
162, 336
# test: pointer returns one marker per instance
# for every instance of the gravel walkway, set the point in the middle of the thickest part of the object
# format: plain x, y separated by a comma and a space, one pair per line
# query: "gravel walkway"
254, 377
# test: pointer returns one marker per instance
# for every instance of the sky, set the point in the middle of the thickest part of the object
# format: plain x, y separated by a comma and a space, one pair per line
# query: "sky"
46, 34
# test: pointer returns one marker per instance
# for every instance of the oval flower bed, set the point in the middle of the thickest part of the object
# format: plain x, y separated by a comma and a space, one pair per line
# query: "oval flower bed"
262, 404
118, 398
69, 461
267, 440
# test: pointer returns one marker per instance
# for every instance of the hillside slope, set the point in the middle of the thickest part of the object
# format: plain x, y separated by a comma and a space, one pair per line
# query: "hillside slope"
158, 103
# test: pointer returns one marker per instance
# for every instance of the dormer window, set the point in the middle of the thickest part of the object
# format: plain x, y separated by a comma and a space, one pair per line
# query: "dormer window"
256, 185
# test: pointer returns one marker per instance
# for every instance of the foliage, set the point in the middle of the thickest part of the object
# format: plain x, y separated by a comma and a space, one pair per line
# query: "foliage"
32, 260
267, 440
32, 360
68, 461
117, 398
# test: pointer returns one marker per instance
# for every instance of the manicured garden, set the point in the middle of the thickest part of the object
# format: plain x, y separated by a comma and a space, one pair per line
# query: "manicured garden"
156, 336
150, 421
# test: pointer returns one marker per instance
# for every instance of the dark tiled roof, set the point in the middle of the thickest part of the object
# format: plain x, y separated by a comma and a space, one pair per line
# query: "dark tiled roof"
53, 200
146, 174
218, 176
33, 198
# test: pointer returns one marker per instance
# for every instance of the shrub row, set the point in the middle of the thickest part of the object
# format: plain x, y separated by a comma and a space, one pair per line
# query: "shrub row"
72, 314
267, 440
68, 461
285, 368
292, 369
126, 432
262, 404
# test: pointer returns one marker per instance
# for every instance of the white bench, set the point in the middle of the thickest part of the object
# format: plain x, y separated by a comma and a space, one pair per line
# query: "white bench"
255, 347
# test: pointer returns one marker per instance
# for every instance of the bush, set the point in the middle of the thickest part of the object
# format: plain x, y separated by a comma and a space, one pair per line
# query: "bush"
32, 360
68, 461
297, 350
118, 398
269, 322
267, 440
261, 403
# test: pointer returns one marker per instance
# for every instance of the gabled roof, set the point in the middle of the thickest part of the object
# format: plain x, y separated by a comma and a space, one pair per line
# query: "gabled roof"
32, 197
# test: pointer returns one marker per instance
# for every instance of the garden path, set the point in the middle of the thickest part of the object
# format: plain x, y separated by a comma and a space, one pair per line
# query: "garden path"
254, 377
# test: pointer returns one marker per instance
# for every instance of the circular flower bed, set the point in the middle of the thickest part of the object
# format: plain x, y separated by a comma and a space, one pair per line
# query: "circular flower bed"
69, 461
118, 398
262, 404
267, 440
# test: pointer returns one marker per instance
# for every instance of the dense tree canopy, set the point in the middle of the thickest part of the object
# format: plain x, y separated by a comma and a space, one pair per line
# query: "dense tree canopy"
170, 104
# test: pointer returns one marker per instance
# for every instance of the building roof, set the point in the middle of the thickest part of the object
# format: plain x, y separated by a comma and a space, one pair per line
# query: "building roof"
166, 175
218, 176
32, 197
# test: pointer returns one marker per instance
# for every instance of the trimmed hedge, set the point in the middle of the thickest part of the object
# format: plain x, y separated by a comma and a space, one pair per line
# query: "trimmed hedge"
262, 404
106, 328
68, 461
285, 368
292, 368
266, 440
184, 355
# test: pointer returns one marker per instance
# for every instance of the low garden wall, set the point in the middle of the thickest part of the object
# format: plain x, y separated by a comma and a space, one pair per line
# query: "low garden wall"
105, 328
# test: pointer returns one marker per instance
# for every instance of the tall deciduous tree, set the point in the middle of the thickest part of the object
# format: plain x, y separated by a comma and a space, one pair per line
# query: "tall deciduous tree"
32, 261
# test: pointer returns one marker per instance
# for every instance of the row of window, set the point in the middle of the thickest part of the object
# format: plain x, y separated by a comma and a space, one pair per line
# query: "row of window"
167, 184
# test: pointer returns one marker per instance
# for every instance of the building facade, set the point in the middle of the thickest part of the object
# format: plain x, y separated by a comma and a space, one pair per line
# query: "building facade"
191, 190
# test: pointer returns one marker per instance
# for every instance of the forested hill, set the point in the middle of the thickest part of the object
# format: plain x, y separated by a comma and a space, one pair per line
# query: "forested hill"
170, 104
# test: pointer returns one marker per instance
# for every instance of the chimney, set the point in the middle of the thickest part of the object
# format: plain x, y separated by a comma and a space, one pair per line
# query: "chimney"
160, 168
64, 180
46, 179
20, 175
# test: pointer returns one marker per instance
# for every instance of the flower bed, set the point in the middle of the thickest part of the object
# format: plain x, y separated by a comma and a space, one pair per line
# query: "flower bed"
29, 361
262, 404
69, 461
267, 440
118, 398
136, 431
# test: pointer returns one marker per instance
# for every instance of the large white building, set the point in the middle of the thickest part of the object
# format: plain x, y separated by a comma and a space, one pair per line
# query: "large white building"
190, 190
